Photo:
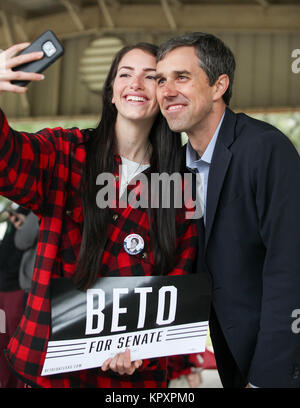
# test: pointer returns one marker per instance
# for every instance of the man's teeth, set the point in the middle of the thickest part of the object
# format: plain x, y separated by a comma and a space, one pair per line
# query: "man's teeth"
135, 98
174, 107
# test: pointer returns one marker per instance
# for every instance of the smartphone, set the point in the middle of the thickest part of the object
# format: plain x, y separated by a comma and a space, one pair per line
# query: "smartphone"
52, 49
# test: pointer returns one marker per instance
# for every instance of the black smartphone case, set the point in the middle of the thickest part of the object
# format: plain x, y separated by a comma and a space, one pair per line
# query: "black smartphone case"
40, 65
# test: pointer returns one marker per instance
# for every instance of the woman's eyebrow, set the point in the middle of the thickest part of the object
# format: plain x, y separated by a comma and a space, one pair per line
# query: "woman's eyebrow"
132, 69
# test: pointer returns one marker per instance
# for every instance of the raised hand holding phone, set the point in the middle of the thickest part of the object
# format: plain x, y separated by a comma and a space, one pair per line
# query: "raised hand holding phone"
52, 49
24, 62
9, 60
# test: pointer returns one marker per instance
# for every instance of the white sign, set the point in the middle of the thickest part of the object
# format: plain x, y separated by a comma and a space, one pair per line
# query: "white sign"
152, 316
81, 354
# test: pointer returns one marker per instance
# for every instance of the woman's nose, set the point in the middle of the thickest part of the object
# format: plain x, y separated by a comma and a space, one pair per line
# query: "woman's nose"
137, 83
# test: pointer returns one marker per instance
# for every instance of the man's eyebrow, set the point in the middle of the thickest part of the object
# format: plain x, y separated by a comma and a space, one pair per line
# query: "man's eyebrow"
177, 73
182, 72
132, 69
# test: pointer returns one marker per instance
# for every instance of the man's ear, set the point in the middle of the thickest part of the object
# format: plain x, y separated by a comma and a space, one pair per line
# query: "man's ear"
220, 86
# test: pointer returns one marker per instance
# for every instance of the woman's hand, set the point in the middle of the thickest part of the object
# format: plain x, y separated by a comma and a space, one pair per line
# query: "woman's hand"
122, 364
17, 219
8, 60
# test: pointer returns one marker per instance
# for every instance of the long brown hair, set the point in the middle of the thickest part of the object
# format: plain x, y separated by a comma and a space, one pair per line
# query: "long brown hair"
166, 157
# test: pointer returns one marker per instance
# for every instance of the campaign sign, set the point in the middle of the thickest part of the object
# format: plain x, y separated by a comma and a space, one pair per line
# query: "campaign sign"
153, 316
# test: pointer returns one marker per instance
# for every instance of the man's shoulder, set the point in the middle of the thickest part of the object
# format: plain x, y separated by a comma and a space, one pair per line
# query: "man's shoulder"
247, 123
250, 130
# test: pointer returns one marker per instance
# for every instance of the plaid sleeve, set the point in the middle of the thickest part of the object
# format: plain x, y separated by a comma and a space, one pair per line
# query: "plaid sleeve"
30, 162
186, 232
178, 366
183, 365
151, 364
26, 163
186, 247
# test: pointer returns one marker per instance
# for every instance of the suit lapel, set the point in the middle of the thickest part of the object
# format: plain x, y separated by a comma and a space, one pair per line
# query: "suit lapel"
218, 169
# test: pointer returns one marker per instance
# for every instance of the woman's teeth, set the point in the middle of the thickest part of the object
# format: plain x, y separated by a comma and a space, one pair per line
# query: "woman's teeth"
135, 98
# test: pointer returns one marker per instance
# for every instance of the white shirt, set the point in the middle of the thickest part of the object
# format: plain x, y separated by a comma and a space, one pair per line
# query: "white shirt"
130, 169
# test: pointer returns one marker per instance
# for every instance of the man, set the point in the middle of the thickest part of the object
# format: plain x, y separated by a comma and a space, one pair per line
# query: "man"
251, 214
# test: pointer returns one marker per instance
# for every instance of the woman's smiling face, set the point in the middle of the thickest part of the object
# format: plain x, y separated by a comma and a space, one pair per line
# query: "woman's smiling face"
134, 87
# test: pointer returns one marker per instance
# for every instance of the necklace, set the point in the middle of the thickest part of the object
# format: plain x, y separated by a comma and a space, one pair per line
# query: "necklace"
127, 176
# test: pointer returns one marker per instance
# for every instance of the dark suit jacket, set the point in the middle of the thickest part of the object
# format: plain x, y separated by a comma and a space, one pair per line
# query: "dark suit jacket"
252, 245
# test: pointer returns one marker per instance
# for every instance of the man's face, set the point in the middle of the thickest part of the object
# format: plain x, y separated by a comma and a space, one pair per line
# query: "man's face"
133, 244
183, 91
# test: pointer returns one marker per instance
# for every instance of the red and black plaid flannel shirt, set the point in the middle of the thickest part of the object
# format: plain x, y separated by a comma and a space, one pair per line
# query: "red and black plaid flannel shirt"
182, 365
42, 171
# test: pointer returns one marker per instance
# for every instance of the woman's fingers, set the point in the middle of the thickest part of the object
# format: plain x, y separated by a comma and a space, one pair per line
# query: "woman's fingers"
138, 363
8, 87
8, 60
113, 364
15, 49
119, 365
23, 59
20, 76
122, 364
106, 365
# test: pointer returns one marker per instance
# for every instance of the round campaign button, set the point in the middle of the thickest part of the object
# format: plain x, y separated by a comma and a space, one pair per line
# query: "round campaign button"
133, 244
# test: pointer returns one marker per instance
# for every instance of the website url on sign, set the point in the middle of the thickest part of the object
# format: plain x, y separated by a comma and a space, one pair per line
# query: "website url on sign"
57, 369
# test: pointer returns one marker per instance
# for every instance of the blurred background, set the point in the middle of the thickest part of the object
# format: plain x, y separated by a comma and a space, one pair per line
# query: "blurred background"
264, 35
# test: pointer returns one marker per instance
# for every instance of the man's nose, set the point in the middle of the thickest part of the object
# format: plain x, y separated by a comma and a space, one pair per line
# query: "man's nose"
169, 89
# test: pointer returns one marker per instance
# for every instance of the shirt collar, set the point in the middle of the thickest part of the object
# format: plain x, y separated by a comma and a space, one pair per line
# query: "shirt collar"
192, 156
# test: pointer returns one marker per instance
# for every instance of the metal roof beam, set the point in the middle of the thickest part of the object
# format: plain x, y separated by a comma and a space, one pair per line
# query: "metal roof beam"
73, 10
150, 19
11, 7
7, 28
114, 3
18, 23
263, 3
106, 14
169, 15
176, 3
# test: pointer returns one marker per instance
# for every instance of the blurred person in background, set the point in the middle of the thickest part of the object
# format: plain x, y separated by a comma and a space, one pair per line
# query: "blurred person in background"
11, 294
26, 238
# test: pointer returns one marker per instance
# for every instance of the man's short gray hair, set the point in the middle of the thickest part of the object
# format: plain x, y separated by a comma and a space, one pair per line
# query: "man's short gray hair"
215, 58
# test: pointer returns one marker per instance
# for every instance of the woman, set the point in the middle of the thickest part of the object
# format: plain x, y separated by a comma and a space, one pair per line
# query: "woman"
53, 172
